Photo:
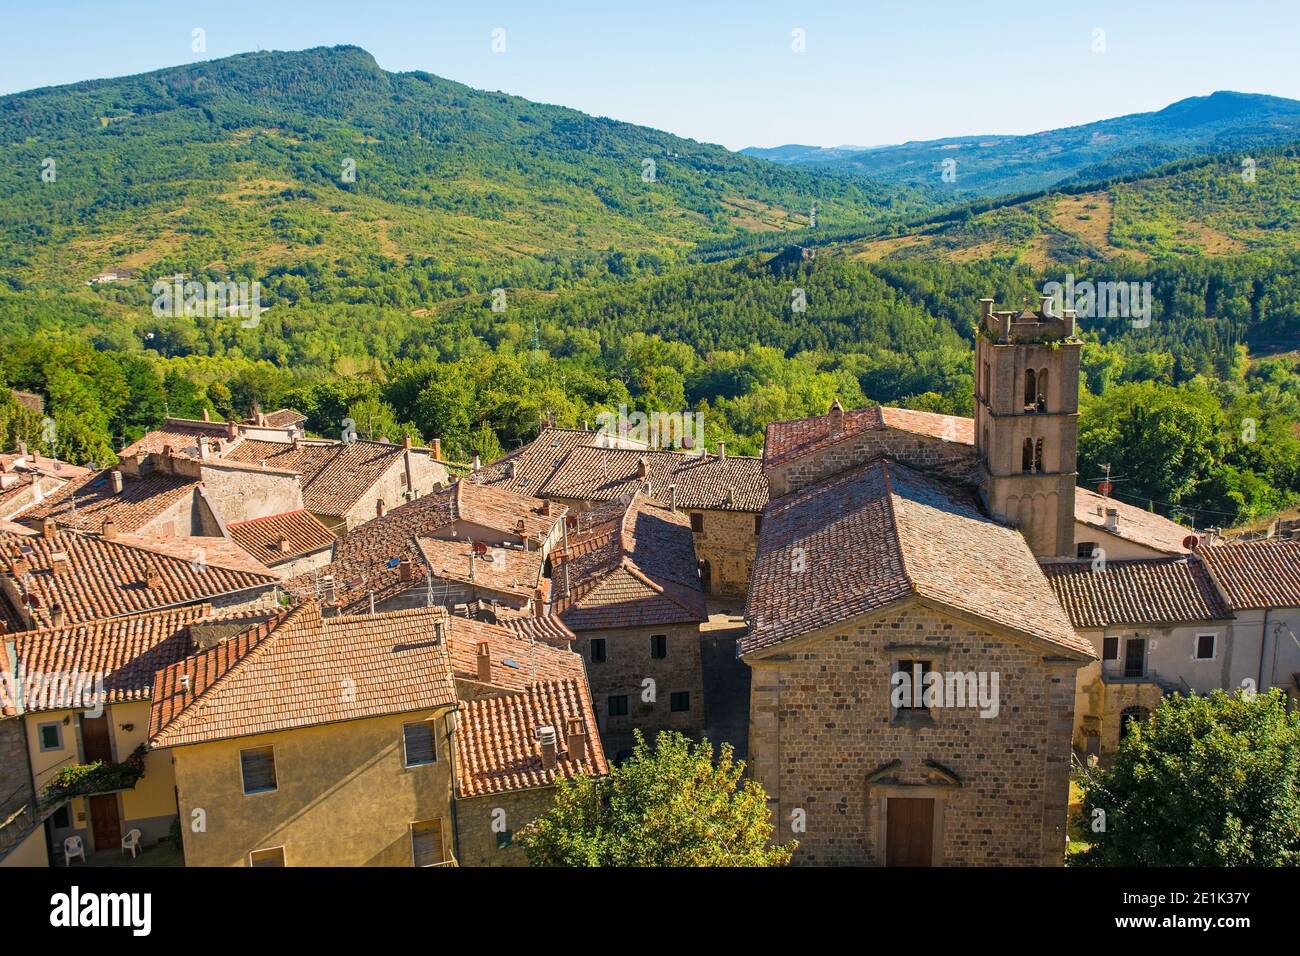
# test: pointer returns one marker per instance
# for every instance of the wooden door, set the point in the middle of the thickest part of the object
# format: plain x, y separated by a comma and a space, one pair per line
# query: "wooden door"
909, 831
105, 824
95, 739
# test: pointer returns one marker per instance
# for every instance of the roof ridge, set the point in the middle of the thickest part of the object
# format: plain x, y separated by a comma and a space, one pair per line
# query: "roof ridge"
168, 610
272, 631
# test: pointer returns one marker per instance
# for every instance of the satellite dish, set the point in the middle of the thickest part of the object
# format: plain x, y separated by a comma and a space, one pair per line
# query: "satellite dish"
1191, 542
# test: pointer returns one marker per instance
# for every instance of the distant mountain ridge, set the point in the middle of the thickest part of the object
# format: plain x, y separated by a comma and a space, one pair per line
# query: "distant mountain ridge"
995, 164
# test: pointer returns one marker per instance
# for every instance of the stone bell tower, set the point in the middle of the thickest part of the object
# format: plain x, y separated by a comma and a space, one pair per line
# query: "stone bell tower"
1026, 422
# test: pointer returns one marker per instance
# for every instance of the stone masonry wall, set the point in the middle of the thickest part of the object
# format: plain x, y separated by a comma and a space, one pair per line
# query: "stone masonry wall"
477, 843
821, 724
627, 664
728, 543
947, 459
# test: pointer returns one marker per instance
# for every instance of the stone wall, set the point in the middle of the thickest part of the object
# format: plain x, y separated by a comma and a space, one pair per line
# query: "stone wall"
479, 844
824, 740
16, 790
415, 470
628, 663
947, 459
728, 543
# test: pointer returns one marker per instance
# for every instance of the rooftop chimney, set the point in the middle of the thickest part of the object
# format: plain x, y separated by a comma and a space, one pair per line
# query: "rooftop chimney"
379, 507
437, 449
546, 737
642, 467
484, 663
672, 497
282, 545
1112, 519
577, 739
406, 442
49, 528
109, 529
205, 450
154, 581
478, 462
115, 477
205, 415
837, 417
57, 616
232, 430
539, 602
404, 570
722, 450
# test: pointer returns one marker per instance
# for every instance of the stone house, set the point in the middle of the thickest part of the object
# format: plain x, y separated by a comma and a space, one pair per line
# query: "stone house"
626, 584
289, 544
865, 580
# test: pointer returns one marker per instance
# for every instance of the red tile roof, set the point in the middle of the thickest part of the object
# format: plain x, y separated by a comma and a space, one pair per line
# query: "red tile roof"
703, 482
87, 503
507, 570
497, 750
299, 670
785, 441
281, 418
91, 577
549, 629
335, 475
1135, 524
628, 565
61, 664
1142, 591
516, 662
879, 533
281, 537
526, 469
1256, 574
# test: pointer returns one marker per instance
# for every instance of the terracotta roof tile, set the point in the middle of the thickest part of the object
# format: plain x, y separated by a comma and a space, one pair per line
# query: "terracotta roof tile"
508, 570
736, 483
1142, 591
281, 537
497, 750
335, 475
1256, 574
526, 469
785, 441
878, 533
1135, 524
300, 670
516, 662
87, 503
123, 653
91, 577
548, 629
628, 565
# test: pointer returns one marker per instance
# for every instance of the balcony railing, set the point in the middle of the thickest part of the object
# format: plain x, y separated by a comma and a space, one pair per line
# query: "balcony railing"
84, 780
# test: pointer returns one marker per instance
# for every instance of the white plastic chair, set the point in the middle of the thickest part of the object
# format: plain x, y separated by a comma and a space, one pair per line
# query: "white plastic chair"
131, 842
73, 846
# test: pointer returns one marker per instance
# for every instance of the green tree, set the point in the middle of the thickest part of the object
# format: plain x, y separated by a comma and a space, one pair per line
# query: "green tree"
1205, 781
673, 805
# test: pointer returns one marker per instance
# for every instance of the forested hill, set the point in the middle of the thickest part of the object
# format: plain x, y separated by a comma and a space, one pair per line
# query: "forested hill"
994, 165
277, 159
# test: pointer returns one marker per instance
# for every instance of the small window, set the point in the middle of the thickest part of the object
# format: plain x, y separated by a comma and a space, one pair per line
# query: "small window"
758, 524
679, 701
1205, 647
51, 737
62, 818
659, 645
505, 839
272, 856
1085, 549
1110, 648
697, 522
426, 843
617, 705
598, 650
915, 685
258, 766
1135, 657
419, 745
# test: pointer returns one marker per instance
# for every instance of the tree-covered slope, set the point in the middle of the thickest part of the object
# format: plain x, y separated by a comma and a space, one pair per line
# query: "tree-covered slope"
280, 159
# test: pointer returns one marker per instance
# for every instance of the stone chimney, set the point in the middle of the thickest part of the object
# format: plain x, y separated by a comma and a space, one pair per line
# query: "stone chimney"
642, 468
484, 663
837, 417
115, 477
232, 430
546, 507
109, 529
57, 616
1112, 519
577, 739
546, 738
379, 507
672, 497
539, 602
205, 450
722, 451
406, 442
404, 570
49, 528
437, 449
282, 545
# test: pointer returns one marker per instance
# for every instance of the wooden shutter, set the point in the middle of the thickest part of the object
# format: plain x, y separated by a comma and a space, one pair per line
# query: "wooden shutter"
419, 744
259, 769
426, 842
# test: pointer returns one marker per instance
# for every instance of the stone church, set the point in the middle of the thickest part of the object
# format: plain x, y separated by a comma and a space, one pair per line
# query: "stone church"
913, 673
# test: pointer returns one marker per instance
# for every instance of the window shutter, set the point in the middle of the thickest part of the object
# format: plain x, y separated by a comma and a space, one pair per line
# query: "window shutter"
426, 842
259, 769
419, 744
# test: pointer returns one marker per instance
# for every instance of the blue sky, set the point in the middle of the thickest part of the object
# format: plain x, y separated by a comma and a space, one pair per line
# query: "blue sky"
725, 72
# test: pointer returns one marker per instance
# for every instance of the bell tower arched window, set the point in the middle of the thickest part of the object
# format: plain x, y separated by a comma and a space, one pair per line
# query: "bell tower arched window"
1027, 455
1031, 390
1041, 403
